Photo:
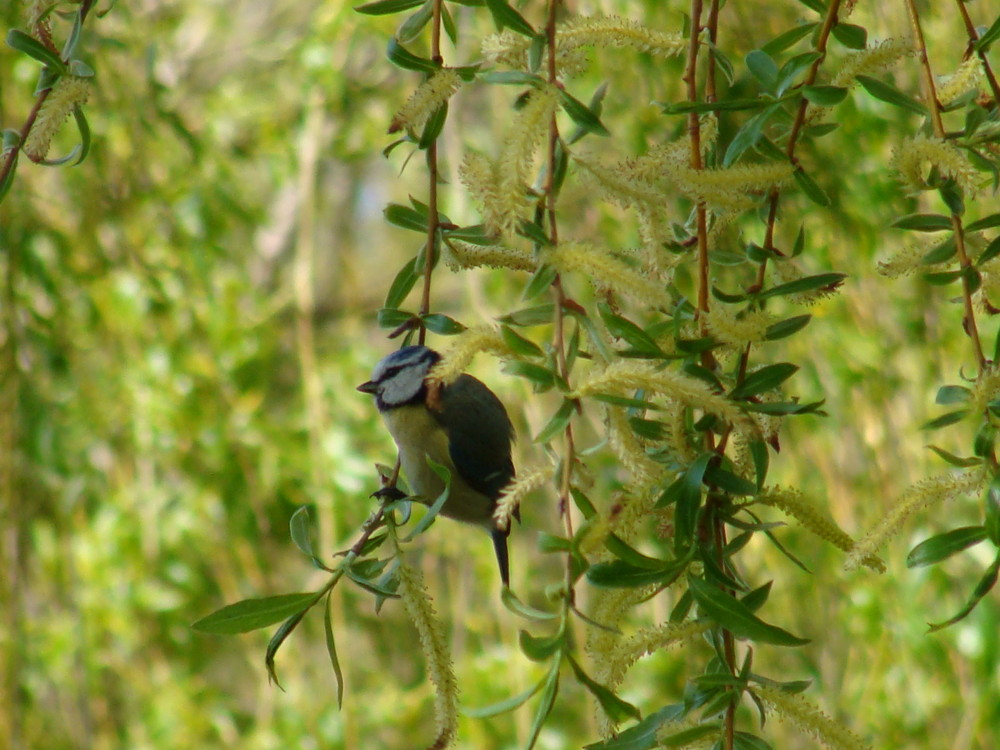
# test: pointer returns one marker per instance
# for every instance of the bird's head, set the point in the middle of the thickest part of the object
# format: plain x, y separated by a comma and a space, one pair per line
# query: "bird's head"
398, 378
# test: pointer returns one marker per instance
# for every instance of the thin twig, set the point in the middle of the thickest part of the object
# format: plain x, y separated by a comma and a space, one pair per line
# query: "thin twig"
934, 107
433, 221
970, 29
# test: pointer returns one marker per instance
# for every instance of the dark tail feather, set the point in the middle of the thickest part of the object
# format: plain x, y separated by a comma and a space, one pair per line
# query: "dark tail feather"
500, 546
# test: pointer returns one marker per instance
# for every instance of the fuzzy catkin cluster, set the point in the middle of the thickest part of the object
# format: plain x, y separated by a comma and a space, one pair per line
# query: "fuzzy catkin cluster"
434, 646
67, 93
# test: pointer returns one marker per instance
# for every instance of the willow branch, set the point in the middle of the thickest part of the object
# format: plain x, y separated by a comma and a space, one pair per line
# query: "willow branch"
934, 107
433, 221
970, 29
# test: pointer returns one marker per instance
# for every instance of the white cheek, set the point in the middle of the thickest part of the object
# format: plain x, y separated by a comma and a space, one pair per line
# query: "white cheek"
401, 388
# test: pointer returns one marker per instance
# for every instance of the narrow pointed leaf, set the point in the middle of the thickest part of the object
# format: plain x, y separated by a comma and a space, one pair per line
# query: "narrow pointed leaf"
251, 614
734, 616
941, 547
617, 709
331, 650
985, 585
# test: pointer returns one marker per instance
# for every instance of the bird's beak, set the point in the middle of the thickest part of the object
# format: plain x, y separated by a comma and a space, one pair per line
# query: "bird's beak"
368, 387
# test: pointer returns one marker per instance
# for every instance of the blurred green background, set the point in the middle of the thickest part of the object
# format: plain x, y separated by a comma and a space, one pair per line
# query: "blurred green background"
186, 314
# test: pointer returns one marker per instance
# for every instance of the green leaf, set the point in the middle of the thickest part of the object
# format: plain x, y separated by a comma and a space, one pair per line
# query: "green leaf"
619, 574
954, 460
826, 281
628, 403
547, 700
940, 253
386, 7
786, 327
582, 115
530, 316
727, 481
474, 235
763, 68
785, 408
736, 617
850, 35
442, 324
331, 650
515, 605
83, 128
687, 737
952, 394
923, 222
433, 127
33, 48
985, 585
623, 328
941, 547
401, 57
891, 95
992, 250
540, 648
945, 419
761, 460
405, 217
506, 17
541, 377
252, 614
987, 222
402, 285
644, 735
557, 423
943, 278
275, 643
301, 529
825, 96
532, 231
991, 511
748, 135
990, 36
540, 281
722, 62
410, 28
793, 68
512, 78
811, 188
505, 705
389, 318
616, 709
519, 344
786, 39
687, 497
747, 741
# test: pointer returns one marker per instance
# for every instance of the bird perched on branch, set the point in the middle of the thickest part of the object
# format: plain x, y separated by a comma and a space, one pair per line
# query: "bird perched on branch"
462, 426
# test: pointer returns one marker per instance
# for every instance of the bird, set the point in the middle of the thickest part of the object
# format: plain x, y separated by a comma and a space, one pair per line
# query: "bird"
462, 426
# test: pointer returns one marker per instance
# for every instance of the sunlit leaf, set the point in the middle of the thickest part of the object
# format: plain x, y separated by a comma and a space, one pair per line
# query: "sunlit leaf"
733, 615
251, 614
941, 547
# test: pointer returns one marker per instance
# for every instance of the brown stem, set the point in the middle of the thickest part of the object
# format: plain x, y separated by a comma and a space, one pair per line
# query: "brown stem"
970, 29
433, 220
934, 107
559, 334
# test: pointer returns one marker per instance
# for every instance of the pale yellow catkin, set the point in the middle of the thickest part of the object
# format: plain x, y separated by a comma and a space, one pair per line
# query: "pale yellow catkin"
434, 646
67, 93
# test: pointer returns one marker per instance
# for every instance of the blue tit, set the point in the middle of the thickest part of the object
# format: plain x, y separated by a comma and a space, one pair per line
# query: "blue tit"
462, 426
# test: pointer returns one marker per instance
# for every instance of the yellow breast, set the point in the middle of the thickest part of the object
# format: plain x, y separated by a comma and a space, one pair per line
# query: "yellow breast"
418, 436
